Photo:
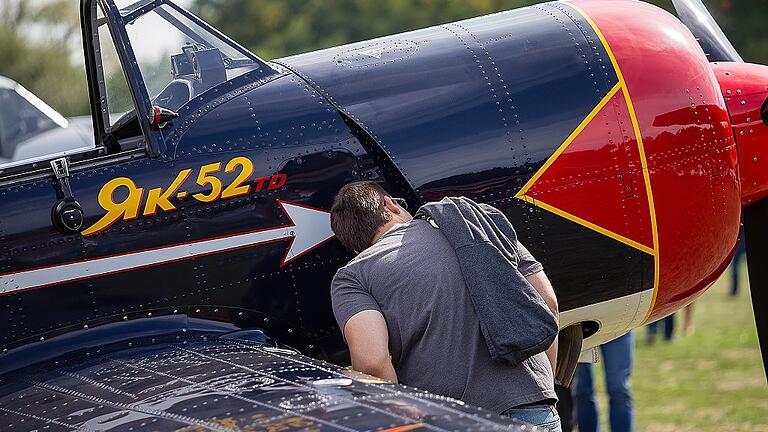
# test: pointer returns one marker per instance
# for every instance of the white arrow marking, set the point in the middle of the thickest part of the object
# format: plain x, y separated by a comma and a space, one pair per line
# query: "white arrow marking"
308, 229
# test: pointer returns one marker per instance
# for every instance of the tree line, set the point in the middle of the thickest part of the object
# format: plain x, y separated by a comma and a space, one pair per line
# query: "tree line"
276, 28
40, 48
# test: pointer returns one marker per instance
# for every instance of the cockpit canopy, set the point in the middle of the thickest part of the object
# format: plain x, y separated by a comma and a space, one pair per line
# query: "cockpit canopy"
179, 57
139, 56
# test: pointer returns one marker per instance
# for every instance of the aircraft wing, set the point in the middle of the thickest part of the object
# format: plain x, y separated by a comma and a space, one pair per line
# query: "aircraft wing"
201, 383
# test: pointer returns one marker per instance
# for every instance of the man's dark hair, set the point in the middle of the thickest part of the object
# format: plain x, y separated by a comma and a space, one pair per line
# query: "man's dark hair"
357, 213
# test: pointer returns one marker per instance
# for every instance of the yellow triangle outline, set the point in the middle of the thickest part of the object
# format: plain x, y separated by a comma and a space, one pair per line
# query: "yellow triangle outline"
523, 193
620, 86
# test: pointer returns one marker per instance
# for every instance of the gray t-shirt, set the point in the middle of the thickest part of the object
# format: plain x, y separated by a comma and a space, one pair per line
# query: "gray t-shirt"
412, 276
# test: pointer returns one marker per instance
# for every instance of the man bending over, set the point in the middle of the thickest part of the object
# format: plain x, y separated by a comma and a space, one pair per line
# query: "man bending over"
405, 312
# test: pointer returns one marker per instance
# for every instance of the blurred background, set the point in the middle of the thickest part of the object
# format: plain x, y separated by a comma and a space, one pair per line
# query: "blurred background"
708, 378
40, 44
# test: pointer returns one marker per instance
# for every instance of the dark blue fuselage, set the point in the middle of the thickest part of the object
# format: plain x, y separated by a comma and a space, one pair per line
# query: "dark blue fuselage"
472, 108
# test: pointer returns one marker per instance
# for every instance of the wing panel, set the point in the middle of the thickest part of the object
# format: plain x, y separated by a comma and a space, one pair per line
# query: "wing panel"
211, 383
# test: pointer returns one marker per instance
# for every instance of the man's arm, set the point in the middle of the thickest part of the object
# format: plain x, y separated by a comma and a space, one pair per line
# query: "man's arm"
541, 283
363, 325
368, 339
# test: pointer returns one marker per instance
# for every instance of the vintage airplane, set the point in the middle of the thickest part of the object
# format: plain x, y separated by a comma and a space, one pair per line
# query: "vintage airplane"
155, 281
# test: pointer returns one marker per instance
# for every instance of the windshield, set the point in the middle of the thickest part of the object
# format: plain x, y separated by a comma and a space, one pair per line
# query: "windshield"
119, 99
180, 59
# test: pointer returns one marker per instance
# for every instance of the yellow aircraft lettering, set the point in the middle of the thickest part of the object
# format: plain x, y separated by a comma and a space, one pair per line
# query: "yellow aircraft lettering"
157, 198
126, 209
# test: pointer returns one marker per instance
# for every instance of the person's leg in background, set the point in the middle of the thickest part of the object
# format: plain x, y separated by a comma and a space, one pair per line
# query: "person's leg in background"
587, 416
652, 329
688, 327
617, 356
669, 328
736, 264
735, 274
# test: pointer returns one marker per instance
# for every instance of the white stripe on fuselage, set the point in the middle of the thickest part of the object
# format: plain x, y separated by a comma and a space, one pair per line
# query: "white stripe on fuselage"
309, 228
101, 266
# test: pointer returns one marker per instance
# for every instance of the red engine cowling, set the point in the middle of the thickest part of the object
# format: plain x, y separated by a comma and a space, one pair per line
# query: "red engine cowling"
691, 158
745, 89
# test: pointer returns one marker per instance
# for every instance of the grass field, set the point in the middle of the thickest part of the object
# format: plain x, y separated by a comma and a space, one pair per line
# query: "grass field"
712, 380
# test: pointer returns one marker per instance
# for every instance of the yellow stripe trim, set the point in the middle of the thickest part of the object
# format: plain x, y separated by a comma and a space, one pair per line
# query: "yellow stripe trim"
651, 205
643, 162
590, 225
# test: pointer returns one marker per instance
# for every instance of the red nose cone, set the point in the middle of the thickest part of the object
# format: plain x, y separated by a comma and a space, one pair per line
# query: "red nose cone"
745, 89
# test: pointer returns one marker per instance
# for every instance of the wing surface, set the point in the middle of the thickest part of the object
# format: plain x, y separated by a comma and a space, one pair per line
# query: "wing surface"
204, 383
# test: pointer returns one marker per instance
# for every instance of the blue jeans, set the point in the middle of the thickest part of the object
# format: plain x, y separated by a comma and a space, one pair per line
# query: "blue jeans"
617, 358
741, 251
544, 416
669, 327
